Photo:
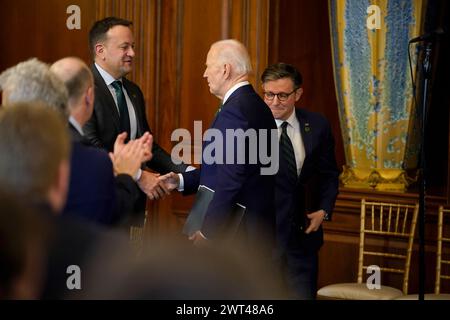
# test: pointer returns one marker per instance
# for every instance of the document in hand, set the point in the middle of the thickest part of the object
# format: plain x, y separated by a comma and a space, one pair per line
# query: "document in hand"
197, 214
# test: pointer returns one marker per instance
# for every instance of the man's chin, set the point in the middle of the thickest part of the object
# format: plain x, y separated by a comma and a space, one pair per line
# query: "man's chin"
126, 70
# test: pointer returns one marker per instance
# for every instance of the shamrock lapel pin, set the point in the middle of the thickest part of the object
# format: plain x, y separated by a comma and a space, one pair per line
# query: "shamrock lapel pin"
307, 127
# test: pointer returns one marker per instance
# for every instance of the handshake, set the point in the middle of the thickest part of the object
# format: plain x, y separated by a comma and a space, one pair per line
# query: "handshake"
156, 186
127, 158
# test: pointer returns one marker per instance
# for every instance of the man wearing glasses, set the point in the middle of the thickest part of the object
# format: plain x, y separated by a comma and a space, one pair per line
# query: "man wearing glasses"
306, 183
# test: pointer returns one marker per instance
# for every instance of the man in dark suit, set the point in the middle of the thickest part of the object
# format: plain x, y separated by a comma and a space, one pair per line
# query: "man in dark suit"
41, 181
119, 104
307, 181
107, 199
91, 189
32, 80
227, 69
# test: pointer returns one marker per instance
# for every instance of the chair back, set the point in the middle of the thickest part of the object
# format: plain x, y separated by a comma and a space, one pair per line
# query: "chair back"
443, 241
393, 223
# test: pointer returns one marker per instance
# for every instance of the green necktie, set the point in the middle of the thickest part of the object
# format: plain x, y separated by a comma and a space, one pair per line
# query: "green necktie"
123, 109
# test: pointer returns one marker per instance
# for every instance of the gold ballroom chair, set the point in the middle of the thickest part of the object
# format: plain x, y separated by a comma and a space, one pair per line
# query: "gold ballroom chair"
442, 260
386, 240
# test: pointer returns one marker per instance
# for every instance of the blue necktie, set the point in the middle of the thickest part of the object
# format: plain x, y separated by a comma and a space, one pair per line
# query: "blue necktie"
123, 109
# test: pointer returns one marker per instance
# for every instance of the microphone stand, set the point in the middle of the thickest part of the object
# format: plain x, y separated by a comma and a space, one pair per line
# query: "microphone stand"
426, 72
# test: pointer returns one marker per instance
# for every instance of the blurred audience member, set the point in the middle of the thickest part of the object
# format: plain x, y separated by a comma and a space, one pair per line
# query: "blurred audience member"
22, 250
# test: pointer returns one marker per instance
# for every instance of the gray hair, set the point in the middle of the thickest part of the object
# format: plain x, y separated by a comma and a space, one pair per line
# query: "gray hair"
32, 80
233, 52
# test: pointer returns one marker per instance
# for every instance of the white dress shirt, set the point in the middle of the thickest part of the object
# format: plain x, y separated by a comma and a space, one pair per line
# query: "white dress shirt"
110, 79
293, 131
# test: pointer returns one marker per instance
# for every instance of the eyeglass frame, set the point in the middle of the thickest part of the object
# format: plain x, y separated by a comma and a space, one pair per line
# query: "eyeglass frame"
277, 95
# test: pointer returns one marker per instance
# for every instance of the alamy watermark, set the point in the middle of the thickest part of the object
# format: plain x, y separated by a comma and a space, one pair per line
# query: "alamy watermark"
235, 146
374, 280
73, 281
74, 19
373, 21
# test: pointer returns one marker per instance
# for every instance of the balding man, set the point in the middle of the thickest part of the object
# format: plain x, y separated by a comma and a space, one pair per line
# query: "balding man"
79, 82
92, 187
227, 69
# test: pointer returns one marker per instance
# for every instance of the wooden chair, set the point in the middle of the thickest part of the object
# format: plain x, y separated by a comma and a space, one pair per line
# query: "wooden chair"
442, 260
391, 222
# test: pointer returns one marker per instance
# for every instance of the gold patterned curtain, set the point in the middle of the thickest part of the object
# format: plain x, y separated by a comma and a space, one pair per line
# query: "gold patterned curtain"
374, 89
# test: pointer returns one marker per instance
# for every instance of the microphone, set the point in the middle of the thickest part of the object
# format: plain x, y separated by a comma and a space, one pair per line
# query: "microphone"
428, 36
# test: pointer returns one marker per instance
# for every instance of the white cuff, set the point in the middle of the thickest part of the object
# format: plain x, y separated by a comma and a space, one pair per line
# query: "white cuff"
138, 175
190, 168
181, 184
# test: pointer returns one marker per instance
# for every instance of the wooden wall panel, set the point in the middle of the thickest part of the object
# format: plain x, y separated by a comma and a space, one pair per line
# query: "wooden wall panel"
249, 23
300, 35
38, 29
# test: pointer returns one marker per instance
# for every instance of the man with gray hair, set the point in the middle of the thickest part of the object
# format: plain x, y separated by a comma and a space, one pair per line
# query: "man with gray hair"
227, 70
32, 80
92, 191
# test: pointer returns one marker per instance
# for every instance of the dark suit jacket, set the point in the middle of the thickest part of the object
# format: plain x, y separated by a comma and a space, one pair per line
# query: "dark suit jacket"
104, 126
94, 193
241, 183
91, 187
316, 187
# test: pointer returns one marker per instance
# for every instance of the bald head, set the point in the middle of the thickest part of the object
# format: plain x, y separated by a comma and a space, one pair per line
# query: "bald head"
79, 82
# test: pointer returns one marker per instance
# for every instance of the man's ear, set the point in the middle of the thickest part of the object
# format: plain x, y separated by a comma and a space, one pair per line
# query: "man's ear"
89, 97
58, 191
100, 51
298, 94
227, 70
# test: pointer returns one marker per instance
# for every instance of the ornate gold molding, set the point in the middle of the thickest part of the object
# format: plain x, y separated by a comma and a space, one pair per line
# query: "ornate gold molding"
377, 179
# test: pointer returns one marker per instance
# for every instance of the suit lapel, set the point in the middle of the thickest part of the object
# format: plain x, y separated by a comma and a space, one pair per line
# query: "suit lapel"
103, 93
306, 133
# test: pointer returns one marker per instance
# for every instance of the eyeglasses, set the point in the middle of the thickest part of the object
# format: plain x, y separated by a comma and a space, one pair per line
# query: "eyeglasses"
282, 96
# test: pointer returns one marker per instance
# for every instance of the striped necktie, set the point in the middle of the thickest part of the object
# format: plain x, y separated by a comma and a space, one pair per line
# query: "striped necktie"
287, 155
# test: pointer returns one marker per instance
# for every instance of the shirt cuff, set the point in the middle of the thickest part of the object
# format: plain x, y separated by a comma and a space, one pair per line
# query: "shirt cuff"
190, 168
181, 184
138, 175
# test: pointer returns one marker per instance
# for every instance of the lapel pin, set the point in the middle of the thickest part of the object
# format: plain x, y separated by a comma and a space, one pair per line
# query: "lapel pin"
307, 127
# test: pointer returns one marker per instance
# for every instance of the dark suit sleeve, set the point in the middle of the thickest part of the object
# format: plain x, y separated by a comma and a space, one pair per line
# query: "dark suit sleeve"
191, 182
328, 171
162, 162
230, 177
127, 193
91, 132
